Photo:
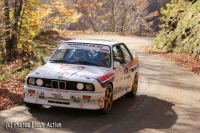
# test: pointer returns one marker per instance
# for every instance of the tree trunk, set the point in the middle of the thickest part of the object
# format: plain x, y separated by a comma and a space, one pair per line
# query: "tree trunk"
112, 17
123, 20
7, 31
15, 33
12, 29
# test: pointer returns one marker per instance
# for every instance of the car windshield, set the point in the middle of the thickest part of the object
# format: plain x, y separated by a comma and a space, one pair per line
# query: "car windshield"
84, 54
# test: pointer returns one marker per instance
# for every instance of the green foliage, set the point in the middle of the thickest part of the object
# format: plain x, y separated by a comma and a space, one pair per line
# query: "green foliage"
18, 73
181, 28
167, 12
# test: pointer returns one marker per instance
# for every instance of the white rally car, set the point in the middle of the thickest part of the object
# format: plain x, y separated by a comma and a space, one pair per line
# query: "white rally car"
84, 73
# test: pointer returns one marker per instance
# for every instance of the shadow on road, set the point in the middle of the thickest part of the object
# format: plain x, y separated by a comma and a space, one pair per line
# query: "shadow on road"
127, 115
162, 72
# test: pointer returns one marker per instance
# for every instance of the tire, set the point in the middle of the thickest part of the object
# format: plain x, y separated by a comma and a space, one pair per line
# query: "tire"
133, 92
33, 106
108, 100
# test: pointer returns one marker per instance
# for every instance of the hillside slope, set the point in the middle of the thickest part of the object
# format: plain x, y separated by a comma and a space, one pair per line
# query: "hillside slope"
181, 32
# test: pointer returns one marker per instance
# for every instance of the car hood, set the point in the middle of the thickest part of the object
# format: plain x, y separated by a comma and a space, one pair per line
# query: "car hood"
68, 72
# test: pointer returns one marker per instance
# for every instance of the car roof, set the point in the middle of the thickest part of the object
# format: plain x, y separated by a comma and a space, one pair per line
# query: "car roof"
94, 41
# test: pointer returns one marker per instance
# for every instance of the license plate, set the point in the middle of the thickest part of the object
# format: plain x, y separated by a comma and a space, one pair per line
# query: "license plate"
41, 97
76, 100
58, 94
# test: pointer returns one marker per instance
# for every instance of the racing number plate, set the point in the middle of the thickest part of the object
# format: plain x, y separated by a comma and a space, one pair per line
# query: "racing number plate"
58, 94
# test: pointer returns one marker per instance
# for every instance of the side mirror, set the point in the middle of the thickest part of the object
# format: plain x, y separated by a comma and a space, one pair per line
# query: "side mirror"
116, 64
134, 54
46, 59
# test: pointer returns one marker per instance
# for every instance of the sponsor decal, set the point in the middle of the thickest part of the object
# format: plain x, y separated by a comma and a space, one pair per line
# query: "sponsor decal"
81, 105
62, 91
103, 80
71, 67
133, 65
98, 47
84, 45
36, 100
126, 69
41, 72
57, 96
106, 77
101, 101
120, 69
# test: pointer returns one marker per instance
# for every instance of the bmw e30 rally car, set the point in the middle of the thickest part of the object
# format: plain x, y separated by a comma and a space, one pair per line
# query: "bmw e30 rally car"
84, 73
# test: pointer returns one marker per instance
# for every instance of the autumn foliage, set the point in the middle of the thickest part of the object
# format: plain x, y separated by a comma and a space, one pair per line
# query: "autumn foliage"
22, 20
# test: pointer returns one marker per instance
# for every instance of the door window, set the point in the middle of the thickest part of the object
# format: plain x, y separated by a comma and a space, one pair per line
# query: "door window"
118, 55
127, 55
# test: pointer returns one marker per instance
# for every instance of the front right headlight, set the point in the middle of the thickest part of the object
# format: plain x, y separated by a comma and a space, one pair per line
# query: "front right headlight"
89, 87
31, 81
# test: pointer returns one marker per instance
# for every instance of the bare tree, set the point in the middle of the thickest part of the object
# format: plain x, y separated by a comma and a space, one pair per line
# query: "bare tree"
114, 15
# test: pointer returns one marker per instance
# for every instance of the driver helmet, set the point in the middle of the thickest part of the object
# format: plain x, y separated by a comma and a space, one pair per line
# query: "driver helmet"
79, 54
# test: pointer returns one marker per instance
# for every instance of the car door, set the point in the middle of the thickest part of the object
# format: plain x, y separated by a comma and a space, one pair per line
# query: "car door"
128, 75
118, 82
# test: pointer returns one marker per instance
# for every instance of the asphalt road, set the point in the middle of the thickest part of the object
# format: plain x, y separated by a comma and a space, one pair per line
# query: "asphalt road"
168, 100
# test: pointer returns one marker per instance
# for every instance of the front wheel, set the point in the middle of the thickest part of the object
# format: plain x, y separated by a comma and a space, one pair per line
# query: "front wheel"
108, 100
33, 106
133, 92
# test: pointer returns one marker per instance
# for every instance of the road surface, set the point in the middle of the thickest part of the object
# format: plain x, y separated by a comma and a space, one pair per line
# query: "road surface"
168, 100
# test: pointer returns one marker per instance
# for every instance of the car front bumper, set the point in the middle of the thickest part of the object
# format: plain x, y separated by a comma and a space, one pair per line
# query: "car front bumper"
74, 99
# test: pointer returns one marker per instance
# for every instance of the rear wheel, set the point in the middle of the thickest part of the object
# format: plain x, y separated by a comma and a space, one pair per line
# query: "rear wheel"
133, 92
33, 106
108, 100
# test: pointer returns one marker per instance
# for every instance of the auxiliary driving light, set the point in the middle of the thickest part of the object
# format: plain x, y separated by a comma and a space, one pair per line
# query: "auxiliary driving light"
79, 86
86, 97
39, 82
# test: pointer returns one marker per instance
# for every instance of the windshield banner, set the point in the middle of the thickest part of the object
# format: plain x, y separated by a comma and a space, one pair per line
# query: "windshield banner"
97, 47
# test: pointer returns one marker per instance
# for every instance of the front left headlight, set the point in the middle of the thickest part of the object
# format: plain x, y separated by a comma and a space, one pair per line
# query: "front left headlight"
31, 81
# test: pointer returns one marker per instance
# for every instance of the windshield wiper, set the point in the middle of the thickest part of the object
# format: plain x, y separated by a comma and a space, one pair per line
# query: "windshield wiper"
61, 61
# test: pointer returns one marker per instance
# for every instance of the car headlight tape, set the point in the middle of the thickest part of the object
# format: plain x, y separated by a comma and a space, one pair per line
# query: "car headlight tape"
89, 87
80, 86
31, 81
39, 82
